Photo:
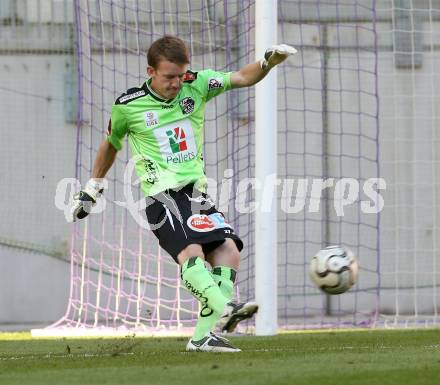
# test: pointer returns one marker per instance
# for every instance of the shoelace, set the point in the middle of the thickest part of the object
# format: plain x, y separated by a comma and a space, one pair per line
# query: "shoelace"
219, 338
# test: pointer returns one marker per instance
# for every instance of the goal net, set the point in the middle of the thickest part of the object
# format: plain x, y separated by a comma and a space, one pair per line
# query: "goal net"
361, 66
121, 281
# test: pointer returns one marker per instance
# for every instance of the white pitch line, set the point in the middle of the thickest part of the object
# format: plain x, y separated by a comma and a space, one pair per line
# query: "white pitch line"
83, 355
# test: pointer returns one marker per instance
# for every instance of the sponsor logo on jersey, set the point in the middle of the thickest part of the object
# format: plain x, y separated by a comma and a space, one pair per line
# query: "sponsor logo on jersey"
151, 171
151, 118
189, 76
187, 105
215, 83
167, 106
204, 223
176, 141
181, 157
123, 99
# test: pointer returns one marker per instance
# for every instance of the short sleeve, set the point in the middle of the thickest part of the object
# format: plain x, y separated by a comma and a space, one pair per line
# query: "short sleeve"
212, 83
118, 126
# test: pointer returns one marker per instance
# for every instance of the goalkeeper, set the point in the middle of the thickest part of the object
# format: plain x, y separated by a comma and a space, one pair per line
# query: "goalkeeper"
163, 120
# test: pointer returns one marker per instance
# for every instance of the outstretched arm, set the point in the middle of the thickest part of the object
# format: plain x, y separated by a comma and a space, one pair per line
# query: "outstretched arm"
252, 73
247, 76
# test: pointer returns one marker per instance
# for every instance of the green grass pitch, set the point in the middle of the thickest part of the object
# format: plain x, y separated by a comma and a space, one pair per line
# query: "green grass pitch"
397, 357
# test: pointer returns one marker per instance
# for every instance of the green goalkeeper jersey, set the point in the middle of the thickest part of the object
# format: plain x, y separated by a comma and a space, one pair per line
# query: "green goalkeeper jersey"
166, 136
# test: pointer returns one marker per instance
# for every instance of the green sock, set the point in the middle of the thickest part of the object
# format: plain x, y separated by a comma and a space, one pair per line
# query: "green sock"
199, 282
224, 277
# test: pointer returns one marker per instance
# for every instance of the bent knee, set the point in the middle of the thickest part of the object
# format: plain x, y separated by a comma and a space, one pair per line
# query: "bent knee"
226, 255
189, 251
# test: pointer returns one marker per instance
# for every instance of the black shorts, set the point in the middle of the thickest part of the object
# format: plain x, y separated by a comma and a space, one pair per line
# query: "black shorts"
179, 218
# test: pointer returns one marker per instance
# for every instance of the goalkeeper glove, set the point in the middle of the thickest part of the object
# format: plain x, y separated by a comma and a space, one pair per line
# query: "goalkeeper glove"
86, 199
275, 55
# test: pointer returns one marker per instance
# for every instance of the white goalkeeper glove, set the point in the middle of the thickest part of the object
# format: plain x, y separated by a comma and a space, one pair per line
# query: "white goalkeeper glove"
276, 55
86, 199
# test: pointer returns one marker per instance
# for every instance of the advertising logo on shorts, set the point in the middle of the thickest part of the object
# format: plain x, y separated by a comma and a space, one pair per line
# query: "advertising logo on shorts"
176, 141
204, 223
200, 223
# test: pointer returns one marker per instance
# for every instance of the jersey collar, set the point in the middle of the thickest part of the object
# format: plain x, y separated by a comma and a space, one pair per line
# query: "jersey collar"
149, 91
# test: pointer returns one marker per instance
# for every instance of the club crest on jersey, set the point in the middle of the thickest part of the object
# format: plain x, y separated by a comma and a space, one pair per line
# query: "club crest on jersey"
187, 105
151, 118
215, 83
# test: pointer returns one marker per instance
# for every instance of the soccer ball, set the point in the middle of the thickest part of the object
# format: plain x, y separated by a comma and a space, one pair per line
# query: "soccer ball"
334, 269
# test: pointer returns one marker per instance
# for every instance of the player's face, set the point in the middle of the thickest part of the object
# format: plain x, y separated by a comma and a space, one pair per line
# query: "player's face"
167, 78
